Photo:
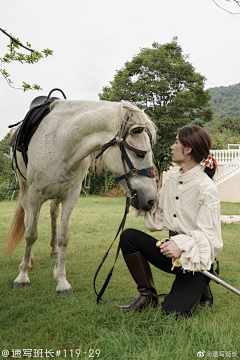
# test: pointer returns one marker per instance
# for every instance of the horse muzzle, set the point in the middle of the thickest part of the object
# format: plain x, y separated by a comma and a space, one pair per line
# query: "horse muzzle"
139, 201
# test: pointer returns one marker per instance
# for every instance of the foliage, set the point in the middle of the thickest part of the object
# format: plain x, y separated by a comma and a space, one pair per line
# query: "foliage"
52, 321
224, 131
6, 194
15, 55
225, 101
228, 123
5, 161
166, 86
6, 172
101, 183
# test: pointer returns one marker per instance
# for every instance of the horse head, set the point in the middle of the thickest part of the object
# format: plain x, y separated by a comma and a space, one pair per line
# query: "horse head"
132, 166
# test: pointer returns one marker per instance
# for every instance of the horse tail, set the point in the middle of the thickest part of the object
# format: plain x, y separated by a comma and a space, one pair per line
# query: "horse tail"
17, 228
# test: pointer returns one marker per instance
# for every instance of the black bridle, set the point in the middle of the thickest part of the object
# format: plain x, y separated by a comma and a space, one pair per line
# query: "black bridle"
149, 172
123, 145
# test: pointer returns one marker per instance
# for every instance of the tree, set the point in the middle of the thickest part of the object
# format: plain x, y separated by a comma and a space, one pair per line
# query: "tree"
166, 86
224, 131
225, 101
14, 54
7, 177
5, 161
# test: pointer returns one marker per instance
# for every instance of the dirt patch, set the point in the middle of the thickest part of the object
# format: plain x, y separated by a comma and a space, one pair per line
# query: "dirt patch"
115, 192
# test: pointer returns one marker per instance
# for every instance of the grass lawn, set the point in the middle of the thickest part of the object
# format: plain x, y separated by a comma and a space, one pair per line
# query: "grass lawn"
74, 326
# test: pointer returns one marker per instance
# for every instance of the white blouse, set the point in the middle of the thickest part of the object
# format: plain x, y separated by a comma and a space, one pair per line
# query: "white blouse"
189, 205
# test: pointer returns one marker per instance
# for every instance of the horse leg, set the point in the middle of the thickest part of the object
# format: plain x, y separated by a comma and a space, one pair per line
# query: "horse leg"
24, 203
59, 272
31, 219
54, 212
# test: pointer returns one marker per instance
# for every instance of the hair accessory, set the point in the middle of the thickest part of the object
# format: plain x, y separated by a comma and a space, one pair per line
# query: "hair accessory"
209, 161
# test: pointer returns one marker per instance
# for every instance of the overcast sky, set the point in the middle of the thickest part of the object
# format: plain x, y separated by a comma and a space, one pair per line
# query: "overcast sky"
91, 39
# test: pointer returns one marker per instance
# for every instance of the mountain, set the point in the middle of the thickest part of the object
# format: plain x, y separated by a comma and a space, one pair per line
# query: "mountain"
226, 100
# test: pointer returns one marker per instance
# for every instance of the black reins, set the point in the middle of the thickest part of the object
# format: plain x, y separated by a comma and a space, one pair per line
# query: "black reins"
149, 172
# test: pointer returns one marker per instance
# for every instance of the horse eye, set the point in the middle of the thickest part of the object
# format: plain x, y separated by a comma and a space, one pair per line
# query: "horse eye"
141, 156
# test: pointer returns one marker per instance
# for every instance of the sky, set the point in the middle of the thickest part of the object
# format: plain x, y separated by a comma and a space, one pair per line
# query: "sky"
92, 39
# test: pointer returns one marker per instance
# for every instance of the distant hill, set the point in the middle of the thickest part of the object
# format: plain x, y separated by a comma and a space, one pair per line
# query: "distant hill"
226, 100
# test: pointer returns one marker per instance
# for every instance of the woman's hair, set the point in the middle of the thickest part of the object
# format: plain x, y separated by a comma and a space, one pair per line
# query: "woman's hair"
200, 141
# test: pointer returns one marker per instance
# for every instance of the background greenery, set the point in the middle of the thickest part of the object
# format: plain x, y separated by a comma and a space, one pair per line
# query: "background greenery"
36, 317
225, 128
225, 101
162, 82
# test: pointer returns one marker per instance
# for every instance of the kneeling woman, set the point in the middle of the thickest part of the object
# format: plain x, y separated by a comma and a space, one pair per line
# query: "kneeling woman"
188, 206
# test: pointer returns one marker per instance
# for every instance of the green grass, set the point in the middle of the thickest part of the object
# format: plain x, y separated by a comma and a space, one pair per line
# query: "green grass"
36, 317
230, 209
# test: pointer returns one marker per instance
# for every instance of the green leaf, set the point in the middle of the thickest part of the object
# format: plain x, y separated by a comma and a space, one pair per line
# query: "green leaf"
29, 57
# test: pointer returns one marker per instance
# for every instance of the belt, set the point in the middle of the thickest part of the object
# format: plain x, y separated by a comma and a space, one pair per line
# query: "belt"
172, 233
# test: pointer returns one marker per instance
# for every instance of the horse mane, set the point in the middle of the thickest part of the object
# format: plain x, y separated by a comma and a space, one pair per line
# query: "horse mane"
131, 114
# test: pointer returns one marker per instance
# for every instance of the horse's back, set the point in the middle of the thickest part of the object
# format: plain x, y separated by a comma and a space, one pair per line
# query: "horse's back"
74, 108
61, 133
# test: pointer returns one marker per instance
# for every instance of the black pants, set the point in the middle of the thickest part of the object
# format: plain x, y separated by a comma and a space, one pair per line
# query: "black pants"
187, 287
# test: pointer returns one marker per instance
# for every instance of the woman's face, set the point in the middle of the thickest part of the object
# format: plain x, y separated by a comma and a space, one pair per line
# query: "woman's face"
179, 152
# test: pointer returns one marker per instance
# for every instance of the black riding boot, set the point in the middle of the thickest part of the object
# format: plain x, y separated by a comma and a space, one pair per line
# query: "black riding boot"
142, 275
207, 297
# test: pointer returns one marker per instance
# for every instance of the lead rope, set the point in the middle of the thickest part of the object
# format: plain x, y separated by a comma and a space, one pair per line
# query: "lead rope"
121, 227
125, 158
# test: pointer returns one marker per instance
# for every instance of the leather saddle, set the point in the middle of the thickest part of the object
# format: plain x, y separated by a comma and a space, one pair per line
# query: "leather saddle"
39, 108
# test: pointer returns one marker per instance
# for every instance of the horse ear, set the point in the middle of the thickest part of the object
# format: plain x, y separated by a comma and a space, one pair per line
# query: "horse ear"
136, 129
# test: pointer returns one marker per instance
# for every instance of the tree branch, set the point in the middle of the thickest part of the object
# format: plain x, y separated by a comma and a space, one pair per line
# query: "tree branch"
16, 41
236, 1
9, 82
14, 54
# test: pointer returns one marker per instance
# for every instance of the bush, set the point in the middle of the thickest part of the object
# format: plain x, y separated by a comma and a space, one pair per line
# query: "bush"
7, 195
100, 184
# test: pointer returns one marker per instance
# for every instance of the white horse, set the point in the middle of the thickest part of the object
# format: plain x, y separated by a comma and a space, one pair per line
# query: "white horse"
58, 159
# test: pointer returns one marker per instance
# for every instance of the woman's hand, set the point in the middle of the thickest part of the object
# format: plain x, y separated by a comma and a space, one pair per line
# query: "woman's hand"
170, 249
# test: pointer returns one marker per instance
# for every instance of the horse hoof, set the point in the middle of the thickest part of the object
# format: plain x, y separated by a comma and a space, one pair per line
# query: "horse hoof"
66, 292
54, 255
19, 285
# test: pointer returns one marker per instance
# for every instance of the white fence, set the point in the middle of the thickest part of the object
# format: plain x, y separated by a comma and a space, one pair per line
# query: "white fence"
230, 161
224, 156
226, 171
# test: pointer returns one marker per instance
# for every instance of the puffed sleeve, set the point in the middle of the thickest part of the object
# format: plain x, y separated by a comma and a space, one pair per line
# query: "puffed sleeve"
201, 246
